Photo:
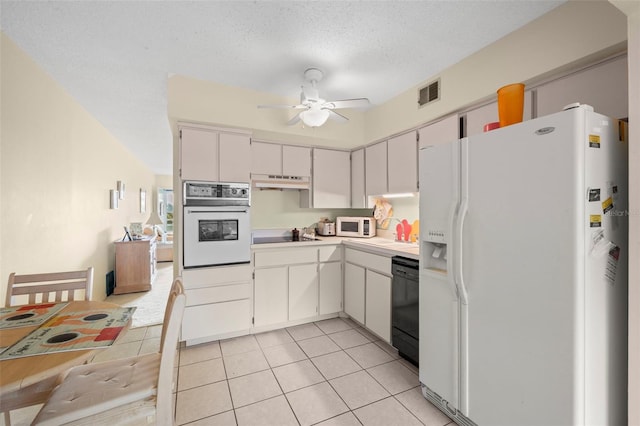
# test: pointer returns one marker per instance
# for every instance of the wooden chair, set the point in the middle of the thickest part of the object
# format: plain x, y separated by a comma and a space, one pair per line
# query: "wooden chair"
42, 288
50, 287
135, 390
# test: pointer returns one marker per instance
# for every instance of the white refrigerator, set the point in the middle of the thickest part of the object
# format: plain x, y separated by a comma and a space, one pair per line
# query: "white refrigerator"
523, 273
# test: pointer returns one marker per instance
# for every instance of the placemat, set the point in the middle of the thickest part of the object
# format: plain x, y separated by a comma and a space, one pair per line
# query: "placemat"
97, 328
28, 315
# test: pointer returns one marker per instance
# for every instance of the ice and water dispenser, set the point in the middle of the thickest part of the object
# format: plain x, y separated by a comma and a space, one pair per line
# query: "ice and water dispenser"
434, 247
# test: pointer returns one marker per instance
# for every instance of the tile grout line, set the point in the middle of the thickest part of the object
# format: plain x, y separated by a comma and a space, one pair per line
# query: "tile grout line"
308, 358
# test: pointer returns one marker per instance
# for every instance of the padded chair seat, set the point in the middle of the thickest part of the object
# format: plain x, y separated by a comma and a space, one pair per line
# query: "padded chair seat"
91, 389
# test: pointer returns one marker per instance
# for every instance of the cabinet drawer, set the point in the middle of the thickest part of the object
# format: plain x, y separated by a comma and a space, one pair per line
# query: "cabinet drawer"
285, 257
330, 253
217, 318
207, 277
374, 262
221, 293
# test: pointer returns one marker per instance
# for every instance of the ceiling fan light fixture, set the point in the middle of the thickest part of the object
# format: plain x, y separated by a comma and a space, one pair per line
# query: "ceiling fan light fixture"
314, 117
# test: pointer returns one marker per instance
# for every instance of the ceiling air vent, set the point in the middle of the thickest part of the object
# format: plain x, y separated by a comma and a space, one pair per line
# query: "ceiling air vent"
429, 93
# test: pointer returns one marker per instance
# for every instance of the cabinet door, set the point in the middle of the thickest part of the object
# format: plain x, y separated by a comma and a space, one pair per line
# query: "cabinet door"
270, 296
443, 131
376, 169
330, 282
331, 179
604, 87
303, 291
199, 155
266, 158
235, 151
296, 160
378, 304
402, 163
358, 194
214, 319
354, 284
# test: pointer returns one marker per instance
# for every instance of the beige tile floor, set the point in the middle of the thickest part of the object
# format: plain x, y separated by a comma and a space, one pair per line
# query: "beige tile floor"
331, 372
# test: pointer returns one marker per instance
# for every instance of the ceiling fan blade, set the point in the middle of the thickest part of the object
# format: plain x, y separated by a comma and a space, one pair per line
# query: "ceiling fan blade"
347, 103
337, 116
282, 106
294, 120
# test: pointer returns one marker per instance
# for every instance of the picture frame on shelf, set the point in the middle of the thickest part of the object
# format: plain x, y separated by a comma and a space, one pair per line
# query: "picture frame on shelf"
136, 229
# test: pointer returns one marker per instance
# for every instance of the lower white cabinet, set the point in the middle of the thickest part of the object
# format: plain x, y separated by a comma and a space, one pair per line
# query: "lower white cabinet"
354, 283
367, 291
219, 303
303, 291
293, 284
330, 283
378, 304
270, 296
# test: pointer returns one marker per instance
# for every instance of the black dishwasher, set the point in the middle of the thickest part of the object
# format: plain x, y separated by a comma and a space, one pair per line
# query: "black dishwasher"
404, 307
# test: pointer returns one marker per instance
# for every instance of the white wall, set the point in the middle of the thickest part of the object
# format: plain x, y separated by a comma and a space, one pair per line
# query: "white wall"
57, 167
570, 34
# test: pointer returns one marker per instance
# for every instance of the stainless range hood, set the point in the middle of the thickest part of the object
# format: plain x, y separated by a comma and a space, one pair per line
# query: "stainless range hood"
280, 182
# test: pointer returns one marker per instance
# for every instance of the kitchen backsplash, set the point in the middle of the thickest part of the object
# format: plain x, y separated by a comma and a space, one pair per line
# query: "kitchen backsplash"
281, 209
403, 208
271, 209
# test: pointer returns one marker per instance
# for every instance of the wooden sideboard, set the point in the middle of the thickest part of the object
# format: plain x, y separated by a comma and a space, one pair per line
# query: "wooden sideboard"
135, 265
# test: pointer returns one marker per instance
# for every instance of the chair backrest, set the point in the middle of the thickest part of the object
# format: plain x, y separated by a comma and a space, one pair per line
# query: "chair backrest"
168, 347
50, 286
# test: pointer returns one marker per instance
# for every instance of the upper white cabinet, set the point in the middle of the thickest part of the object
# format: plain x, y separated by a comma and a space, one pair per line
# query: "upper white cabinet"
402, 163
296, 160
276, 159
199, 154
215, 155
266, 158
604, 86
358, 193
331, 181
443, 131
392, 166
234, 151
376, 168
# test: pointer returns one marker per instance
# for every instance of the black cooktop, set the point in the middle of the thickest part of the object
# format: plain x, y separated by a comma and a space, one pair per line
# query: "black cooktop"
281, 239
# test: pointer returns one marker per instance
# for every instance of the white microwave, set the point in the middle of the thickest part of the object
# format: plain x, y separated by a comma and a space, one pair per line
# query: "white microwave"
360, 227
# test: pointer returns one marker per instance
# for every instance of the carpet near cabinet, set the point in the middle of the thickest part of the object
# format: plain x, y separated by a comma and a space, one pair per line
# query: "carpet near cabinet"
150, 304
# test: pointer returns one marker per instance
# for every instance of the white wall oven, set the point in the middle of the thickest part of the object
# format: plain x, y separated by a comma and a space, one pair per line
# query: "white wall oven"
217, 227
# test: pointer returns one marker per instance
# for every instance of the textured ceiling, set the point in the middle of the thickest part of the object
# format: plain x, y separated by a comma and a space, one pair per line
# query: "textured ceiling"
114, 57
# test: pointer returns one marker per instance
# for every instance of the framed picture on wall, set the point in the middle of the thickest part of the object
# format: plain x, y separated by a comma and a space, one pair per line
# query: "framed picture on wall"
143, 200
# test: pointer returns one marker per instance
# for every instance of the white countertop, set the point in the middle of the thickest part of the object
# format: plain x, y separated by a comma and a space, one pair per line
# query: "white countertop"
374, 245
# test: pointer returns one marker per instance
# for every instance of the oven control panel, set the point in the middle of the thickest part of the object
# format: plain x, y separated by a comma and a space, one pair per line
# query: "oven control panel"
203, 193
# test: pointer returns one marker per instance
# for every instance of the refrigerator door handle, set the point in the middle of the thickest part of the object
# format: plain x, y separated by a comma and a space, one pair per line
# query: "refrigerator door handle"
462, 214
451, 257
457, 271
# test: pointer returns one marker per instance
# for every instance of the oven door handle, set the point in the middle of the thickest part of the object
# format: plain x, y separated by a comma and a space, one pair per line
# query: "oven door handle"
218, 211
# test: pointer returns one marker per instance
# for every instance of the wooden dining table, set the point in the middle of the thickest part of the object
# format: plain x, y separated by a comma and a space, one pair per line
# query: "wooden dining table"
28, 380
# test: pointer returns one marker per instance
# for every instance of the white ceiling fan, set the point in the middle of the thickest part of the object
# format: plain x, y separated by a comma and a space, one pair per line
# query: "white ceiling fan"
316, 110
